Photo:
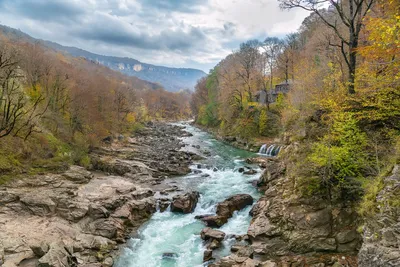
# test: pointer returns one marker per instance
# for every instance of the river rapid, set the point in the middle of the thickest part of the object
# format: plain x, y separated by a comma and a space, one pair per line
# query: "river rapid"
179, 234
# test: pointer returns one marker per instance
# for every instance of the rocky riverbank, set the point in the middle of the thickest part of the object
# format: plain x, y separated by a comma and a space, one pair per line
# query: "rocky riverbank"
80, 217
290, 230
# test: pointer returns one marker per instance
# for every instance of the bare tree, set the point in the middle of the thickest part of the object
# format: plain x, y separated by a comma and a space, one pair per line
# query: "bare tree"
249, 59
341, 13
18, 114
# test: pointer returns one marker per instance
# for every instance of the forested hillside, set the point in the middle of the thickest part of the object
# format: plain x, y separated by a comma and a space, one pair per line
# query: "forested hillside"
342, 111
172, 79
54, 108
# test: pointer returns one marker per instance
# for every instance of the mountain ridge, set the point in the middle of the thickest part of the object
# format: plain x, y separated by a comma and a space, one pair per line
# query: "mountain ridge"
172, 79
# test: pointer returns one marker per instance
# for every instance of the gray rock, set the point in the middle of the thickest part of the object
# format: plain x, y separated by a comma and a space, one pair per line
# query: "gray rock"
208, 233
57, 256
185, 203
40, 249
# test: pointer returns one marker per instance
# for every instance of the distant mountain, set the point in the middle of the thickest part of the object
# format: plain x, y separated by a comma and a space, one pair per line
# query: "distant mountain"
172, 79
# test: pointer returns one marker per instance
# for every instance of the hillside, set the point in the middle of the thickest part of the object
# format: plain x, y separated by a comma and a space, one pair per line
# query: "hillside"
172, 79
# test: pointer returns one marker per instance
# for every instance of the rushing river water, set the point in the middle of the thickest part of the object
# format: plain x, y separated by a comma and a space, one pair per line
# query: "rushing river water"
179, 234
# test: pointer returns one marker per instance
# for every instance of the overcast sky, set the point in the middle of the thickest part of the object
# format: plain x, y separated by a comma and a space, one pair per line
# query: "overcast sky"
178, 33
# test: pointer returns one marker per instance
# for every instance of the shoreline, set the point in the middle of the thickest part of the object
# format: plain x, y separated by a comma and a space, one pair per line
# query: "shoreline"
83, 218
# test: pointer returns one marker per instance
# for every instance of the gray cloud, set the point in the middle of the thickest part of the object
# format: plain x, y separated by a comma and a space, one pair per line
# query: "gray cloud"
43, 10
180, 33
125, 35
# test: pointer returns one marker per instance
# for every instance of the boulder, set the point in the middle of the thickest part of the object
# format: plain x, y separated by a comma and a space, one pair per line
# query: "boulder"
208, 233
185, 203
226, 209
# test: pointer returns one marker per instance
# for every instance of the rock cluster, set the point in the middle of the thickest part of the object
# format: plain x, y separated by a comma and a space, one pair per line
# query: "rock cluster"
290, 230
78, 218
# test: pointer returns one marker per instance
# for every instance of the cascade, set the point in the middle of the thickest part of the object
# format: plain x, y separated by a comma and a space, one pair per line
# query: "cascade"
263, 149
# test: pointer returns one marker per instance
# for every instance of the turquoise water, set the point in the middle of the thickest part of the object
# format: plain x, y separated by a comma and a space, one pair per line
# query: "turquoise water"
169, 232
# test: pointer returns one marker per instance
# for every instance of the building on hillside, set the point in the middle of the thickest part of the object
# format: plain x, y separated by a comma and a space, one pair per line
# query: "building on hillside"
263, 97
280, 88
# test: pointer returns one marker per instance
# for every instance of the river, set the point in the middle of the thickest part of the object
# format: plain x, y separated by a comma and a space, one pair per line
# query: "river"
179, 234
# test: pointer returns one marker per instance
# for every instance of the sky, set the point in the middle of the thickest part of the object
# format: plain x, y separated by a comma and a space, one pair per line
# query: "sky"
175, 33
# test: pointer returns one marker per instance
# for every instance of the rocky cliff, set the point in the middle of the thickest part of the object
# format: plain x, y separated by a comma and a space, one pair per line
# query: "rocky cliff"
290, 230
381, 235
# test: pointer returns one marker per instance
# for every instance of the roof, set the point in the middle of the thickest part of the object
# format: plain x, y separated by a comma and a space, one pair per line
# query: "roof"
289, 81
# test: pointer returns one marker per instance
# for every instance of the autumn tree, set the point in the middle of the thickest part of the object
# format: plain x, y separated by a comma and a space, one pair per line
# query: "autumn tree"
348, 14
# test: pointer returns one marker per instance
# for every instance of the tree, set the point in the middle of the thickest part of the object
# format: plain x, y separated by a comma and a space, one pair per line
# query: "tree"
17, 114
343, 13
272, 47
248, 58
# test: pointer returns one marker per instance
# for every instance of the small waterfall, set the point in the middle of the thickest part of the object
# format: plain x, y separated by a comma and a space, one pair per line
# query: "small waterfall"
263, 149
270, 151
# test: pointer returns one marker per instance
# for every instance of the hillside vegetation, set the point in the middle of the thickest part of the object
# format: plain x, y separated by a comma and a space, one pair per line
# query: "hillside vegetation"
343, 109
172, 79
54, 108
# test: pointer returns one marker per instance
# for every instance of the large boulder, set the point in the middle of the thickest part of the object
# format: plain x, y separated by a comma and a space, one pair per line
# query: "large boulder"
226, 209
185, 203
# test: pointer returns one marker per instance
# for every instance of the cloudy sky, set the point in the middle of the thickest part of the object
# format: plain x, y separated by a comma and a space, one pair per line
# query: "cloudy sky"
178, 33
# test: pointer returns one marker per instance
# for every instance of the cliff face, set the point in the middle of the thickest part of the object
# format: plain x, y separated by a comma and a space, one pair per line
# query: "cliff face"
288, 229
285, 223
381, 239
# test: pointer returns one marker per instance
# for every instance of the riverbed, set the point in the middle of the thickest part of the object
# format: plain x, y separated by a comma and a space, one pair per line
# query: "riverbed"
216, 178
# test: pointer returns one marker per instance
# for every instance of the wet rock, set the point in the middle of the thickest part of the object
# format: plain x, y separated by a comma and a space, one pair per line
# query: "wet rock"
250, 172
169, 255
233, 203
208, 255
208, 233
226, 209
185, 203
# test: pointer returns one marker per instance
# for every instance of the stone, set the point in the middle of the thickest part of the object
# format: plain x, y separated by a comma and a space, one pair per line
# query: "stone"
57, 256
207, 256
108, 262
245, 251
169, 255
78, 174
250, 172
38, 204
40, 249
208, 233
185, 203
